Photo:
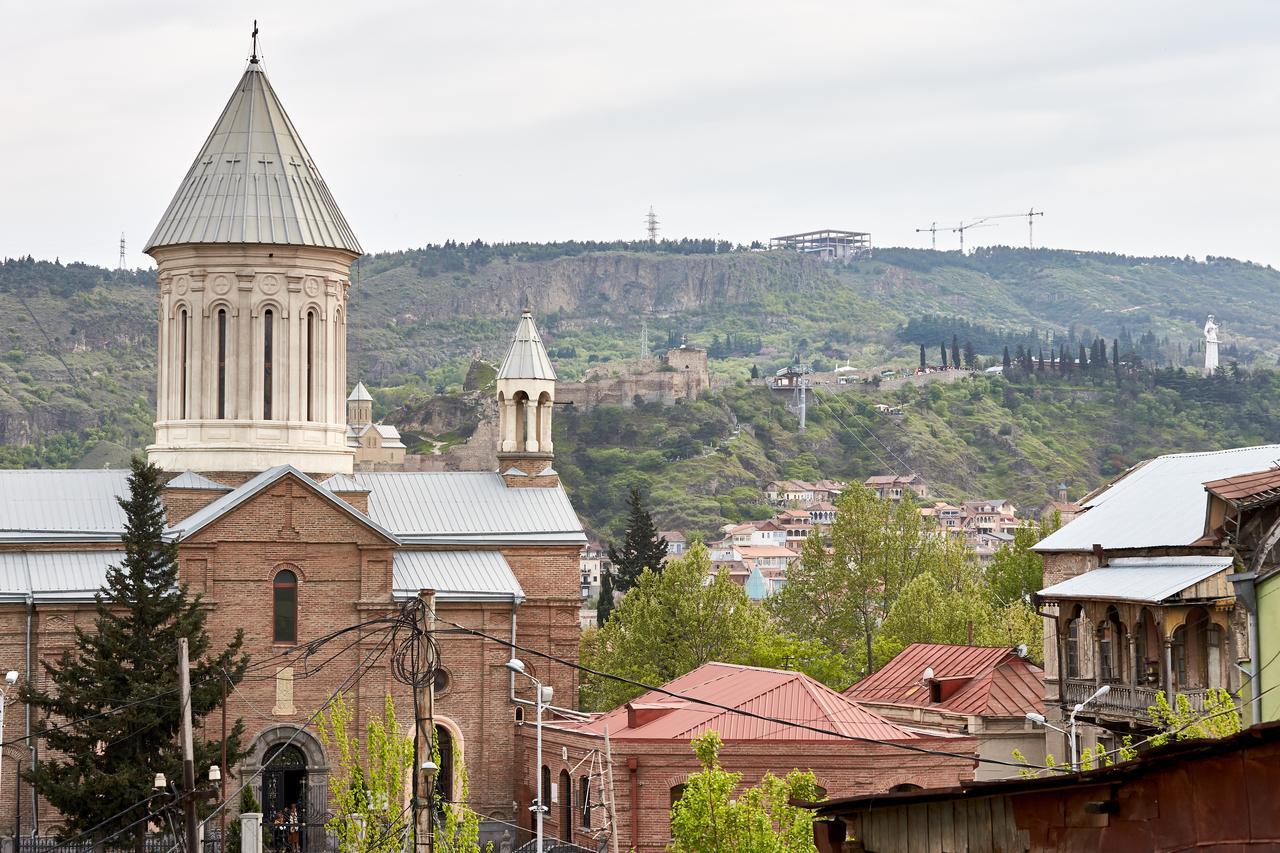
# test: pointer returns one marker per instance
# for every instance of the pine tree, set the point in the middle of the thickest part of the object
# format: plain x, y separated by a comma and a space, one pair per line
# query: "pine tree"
955, 351
120, 684
924, 362
642, 548
604, 605
944, 356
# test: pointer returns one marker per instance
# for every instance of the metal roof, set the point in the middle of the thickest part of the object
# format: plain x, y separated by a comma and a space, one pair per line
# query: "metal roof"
1248, 490
1150, 579
51, 576
455, 576
786, 695
526, 357
67, 505
254, 182
359, 393
342, 483
463, 507
1160, 502
996, 681
192, 480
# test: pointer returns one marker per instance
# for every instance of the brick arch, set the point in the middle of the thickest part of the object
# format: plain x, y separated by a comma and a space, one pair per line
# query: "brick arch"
292, 566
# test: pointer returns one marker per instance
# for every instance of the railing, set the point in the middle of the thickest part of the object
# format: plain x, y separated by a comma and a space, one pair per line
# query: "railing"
1125, 699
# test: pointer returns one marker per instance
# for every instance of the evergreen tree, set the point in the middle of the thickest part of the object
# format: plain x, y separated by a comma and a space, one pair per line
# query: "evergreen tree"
924, 362
755, 372
970, 357
604, 605
119, 685
248, 803
1042, 359
944, 356
1115, 353
642, 548
955, 351
1006, 361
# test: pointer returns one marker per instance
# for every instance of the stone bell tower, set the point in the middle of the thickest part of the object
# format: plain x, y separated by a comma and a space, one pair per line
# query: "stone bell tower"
526, 396
254, 261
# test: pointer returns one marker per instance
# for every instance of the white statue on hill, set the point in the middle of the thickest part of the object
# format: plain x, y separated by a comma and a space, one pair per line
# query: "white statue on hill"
1210, 345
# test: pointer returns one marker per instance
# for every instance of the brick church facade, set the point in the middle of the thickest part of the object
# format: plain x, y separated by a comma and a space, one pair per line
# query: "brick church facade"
278, 532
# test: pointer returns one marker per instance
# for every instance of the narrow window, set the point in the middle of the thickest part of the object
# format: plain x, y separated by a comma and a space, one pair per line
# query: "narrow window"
311, 359
267, 317
222, 363
584, 800
286, 607
546, 791
444, 776
566, 806
182, 366
1073, 648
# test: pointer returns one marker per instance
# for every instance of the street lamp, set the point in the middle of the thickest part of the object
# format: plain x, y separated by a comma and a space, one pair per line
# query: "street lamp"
1072, 734
542, 697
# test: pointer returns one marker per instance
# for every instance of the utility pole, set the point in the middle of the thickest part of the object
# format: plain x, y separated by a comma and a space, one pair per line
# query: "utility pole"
222, 782
188, 748
652, 222
644, 337
121, 265
424, 726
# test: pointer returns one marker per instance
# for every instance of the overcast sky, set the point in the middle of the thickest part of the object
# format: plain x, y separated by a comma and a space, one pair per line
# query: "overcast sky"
1139, 127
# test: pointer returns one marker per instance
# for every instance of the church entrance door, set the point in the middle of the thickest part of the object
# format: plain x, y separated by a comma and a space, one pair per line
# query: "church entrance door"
284, 799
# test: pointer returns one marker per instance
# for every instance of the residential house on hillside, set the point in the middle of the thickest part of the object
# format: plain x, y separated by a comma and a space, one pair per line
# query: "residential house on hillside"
850, 749
789, 493
823, 513
593, 561
797, 524
828, 490
676, 543
990, 516
985, 545
891, 487
974, 690
1140, 598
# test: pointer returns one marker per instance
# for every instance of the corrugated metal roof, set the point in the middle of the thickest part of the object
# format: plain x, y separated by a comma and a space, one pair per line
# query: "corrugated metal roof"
1151, 579
50, 576
62, 505
1247, 490
997, 682
526, 357
465, 507
1161, 502
254, 182
455, 576
192, 480
785, 695
342, 483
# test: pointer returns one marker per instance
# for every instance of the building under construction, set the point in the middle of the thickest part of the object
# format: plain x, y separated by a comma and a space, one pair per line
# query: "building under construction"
830, 245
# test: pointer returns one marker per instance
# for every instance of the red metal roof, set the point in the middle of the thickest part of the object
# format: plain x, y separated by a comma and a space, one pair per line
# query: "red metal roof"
785, 695
979, 680
1247, 488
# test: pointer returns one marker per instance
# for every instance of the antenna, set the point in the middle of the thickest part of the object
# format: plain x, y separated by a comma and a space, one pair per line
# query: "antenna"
121, 265
253, 57
652, 220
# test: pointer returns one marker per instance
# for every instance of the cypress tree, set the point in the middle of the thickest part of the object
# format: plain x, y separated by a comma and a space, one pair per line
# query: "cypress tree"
1115, 353
1006, 362
924, 362
119, 682
970, 357
604, 606
944, 355
642, 547
955, 351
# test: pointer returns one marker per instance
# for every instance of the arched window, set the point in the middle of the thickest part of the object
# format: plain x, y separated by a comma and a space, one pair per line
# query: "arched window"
444, 776
584, 801
676, 792
183, 361
308, 389
1073, 646
268, 337
285, 594
566, 806
222, 363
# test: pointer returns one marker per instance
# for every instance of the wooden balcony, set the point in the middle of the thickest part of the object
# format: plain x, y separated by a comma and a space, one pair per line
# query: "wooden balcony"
1124, 700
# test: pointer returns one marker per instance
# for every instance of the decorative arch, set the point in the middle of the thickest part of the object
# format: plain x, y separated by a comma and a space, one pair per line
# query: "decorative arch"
285, 582
451, 760
286, 764
265, 302
566, 805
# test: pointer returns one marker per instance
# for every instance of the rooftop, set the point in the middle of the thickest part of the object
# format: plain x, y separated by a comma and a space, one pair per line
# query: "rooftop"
1146, 579
526, 357
983, 680
1247, 490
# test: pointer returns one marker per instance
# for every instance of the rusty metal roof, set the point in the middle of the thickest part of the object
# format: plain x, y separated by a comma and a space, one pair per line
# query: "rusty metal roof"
978, 680
1246, 490
785, 695
254, 182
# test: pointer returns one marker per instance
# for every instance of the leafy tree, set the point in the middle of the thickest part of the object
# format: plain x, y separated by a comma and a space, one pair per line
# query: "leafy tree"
458, 825
1015, 570
1220, 718
710, 818
369, 786
119, 683
642, 547
670, 623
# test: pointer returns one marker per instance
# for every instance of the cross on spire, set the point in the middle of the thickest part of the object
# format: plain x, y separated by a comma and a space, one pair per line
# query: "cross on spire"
253, 57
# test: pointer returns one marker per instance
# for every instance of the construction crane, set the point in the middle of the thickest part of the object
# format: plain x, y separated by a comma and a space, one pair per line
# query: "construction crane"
933, 230
957, 229
1031, 219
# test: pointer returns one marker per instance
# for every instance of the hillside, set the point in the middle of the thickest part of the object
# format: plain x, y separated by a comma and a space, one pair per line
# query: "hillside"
77, 349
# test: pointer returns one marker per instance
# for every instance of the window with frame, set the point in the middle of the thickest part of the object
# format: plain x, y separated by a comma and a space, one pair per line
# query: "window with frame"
1073, 648
584, 801
285, 607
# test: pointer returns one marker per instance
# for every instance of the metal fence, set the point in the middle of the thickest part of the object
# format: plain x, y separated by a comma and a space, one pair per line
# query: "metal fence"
51, 844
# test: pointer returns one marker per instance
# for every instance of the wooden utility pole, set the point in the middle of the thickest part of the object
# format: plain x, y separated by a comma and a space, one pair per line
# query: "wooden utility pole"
425, 726
188, 748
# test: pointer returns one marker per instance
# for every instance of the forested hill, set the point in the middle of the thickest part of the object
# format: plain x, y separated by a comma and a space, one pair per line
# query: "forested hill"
77, 342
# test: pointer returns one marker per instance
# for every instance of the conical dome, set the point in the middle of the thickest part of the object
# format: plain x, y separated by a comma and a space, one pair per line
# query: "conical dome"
526, 358
254, 182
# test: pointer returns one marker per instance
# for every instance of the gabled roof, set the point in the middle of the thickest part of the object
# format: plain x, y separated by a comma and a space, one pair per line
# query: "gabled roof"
455, 576
777, 693
981, 680
1160, 502
192, 480
343, 483
212, 512
254, 182
359, 393
1147, 579
526, 357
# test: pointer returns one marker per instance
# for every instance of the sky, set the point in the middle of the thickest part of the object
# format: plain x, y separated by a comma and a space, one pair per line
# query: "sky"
1137, 127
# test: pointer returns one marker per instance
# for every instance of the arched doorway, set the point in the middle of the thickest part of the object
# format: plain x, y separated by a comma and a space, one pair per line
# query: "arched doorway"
284, 798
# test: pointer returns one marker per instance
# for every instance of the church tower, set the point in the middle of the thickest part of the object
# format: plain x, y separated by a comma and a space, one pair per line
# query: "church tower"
526, 396
254, 262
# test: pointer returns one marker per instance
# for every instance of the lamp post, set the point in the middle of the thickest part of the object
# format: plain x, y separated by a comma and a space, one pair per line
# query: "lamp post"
1072, 734
10, 679
542, 697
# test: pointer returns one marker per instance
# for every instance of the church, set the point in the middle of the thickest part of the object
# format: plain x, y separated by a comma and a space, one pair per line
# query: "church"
277, 529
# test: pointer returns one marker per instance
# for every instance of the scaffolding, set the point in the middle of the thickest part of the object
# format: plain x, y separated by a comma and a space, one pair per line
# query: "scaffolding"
829, 244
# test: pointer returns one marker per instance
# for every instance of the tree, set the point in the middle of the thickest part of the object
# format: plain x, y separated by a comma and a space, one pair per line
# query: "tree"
710, 817
970, 356
755, 372
944, 355
924, 362
604, 606
642, 547
118, 685
248, 803
955, 351
369, 785
1015, 570
1006, 362
671, 623
877, 547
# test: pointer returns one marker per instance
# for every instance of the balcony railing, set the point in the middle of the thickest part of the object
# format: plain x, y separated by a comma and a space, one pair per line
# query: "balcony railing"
1124, 699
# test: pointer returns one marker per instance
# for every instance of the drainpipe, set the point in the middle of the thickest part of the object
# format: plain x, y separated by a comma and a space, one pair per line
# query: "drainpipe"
633, 768
1247, 595
31, 744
